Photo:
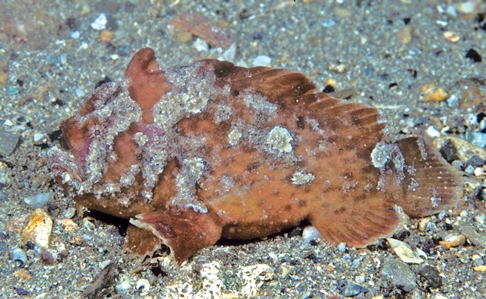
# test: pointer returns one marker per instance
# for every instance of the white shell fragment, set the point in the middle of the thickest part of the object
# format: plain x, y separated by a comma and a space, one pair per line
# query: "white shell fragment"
39, 229
143, 285
404, 252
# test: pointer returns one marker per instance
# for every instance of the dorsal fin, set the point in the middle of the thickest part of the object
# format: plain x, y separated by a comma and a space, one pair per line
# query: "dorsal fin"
288, 88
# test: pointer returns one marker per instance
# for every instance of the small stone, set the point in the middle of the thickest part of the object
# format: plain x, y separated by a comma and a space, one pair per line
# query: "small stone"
477, 239
79, 92
183, 36
405, 35
478, 139
477, 260
3, 76
8, 144
341, 247
342, 12
39, 200
432, 132
451, 36
431, 92
338, 68
100, 22
123, 287
21, 291
310, 233
106, 35
467, 7
12, 90
38, 137
478, 171
47, 257
262, 60
201, 46
353, 289
424, 224
469, 170
432, 276
453, 241
480, 268
480, 218
75, 35
399, 274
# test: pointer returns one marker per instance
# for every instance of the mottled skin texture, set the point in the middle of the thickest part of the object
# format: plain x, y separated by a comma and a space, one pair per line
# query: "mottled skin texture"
319, 167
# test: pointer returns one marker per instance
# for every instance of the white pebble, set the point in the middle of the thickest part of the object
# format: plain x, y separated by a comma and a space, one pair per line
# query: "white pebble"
310, 233
75, 34
341, 247
38, 137
478, 171
100, 22
79, 92
480, 218
432, 132
201, 46
262, 60
39, 200
123, 287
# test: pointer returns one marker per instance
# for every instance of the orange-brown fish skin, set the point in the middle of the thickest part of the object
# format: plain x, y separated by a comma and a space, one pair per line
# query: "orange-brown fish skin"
212, 150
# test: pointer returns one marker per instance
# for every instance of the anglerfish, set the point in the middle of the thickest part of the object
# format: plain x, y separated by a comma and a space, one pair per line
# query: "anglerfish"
212, 150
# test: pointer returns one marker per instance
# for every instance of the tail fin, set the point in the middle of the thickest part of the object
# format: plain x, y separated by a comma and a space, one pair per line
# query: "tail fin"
423, 183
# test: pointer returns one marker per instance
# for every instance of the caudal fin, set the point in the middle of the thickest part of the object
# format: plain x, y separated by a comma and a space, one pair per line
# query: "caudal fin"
422, 182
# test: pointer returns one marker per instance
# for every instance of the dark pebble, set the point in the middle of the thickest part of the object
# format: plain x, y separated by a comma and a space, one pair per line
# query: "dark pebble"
47, 257
474, 55
399, 274
314, 258
475, 161
328, 89
402, 235
449, 152
21, 291
432, 276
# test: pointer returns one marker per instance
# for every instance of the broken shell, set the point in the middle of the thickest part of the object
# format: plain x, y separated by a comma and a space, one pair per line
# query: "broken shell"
451, 36
143, 285
70, 213
453, 241
18, 255
404, 252
433, 93
39, 229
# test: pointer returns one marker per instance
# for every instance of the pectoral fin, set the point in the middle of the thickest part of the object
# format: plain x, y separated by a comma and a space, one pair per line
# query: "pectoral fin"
184, 231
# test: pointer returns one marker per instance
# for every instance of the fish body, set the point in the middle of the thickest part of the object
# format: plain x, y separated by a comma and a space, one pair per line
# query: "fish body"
212, 150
